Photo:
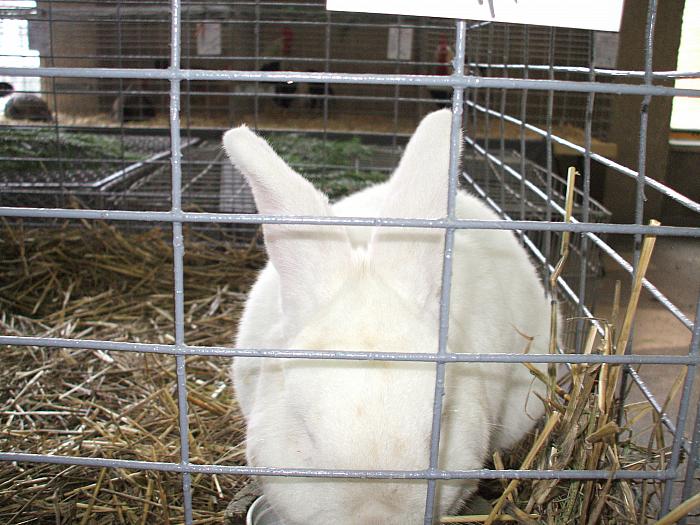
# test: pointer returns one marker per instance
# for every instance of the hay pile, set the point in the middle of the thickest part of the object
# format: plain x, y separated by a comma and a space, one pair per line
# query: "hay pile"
581, 432
91, 280
96, 282
587, 426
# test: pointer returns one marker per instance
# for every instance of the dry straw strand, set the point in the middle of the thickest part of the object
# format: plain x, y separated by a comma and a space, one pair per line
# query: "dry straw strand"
681, 511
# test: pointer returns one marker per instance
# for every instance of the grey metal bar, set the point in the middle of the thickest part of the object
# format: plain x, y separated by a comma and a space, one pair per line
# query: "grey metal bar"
178, 256
120, 89
487, 102
548, 160
586, 201
221, 18
326, 69
641, 166
447, 259
523, 115
240, 94
584, 70
455, 81
430, 357
230, 22
54, 98
683, 410
245, 58
693, 462
502, 122
397, 87
644, 124
243, 218
193, 468
256, 31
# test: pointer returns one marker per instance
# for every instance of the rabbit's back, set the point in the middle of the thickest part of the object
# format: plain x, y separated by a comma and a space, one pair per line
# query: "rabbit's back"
497, 303
378, 289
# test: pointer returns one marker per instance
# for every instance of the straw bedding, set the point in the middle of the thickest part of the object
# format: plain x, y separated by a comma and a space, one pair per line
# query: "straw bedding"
98, 283
93, 281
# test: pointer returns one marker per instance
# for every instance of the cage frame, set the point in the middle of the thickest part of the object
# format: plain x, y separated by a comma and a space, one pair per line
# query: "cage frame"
459, 82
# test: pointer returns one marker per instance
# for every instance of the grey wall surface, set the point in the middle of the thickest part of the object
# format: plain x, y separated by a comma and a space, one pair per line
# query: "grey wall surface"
625, 126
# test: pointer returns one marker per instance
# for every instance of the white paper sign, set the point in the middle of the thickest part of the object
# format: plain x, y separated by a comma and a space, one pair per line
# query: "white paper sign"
208, 39
400, 45
38, 32
605, 47
602, 15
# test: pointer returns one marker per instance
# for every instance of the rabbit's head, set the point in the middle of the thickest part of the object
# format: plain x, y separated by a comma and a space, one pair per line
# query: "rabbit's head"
322, 274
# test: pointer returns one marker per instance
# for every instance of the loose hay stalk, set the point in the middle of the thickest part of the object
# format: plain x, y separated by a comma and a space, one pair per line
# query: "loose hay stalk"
526, 464
680, 511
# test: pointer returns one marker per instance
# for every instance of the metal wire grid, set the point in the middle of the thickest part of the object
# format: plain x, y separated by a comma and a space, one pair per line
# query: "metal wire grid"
248, 29
458, 82
124, 42
209, 182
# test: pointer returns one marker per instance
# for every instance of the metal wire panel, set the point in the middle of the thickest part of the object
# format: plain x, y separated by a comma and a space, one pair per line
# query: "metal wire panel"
503, 76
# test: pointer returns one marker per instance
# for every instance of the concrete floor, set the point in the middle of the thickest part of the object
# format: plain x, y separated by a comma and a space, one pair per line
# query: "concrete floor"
675, 271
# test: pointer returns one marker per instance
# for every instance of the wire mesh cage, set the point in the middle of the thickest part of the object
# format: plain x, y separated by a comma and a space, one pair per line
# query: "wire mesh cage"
253, 36
130, 242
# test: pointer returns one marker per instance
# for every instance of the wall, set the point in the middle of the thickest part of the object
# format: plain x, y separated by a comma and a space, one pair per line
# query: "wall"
619, 194
683, 176
72, 43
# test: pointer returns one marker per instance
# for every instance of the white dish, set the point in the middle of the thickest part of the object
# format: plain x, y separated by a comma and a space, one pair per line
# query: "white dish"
260, 513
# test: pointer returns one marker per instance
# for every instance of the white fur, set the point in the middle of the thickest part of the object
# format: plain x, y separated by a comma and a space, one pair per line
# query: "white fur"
377, 289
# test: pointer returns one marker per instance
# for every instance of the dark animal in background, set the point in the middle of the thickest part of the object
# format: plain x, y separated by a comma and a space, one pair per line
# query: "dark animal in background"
24, 106
162, 63
136, 107
317, 91
443, 56
6, 89
281, 47
133, 107
281, 89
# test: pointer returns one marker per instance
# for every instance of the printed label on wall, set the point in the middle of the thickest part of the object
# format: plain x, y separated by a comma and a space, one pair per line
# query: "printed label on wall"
208, 39
605, 47
603, 15
400, 45
39, 32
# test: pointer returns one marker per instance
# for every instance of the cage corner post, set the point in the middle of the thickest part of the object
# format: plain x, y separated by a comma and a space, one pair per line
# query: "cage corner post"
446, 284
178, 254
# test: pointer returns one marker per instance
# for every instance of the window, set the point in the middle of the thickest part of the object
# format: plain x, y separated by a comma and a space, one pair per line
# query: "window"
14, 43
686, 111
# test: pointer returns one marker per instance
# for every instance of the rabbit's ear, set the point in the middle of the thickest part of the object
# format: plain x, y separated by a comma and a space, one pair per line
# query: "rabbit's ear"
309, 259
410, 257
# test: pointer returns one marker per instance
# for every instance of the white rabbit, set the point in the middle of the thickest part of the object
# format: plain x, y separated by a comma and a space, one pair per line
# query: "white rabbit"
377, 289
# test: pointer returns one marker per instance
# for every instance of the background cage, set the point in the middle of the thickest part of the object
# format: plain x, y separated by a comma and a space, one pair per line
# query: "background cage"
155, 84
